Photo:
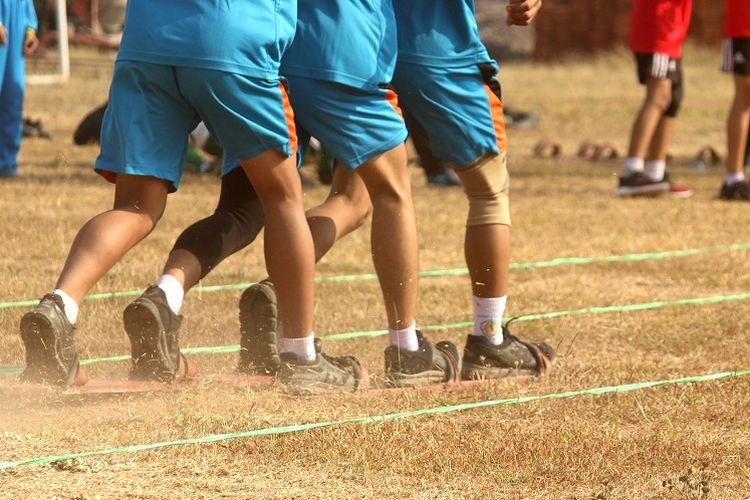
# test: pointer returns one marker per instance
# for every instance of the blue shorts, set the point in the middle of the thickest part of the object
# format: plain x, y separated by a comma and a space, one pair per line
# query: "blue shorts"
354, 124
460, 109
153, 108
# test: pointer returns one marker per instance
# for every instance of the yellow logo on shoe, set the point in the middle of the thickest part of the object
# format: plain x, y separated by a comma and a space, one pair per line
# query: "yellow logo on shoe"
490, 327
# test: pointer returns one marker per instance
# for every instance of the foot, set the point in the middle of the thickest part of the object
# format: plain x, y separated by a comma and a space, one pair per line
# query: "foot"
739, 191
325, 375
428, 365
154, 332
260, 330
639, 184
51, 354
483, 360
677, 190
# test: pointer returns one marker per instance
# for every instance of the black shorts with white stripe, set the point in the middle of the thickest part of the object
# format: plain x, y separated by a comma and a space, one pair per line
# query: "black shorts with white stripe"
736, 56
657, 65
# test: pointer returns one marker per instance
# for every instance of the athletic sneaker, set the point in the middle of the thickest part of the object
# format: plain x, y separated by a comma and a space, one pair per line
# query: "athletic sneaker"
638, 183
51, 354
677, 190
327, 374
427, 365
260, 330
154, 332
483, 360
739, 191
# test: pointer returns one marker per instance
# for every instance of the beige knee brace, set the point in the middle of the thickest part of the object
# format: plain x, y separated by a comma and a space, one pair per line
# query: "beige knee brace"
486, 184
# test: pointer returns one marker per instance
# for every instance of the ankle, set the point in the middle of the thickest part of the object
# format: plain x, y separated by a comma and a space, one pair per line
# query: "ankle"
632, 165
654, 170
488, 318
405, 339
173, 291
303, 348
734, 178
70, 306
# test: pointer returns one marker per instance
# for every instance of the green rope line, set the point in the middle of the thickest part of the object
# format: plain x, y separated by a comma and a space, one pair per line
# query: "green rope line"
288, 429
645, 306
436, 273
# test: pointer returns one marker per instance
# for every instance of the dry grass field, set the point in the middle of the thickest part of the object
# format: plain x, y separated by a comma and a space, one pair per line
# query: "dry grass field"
677, 441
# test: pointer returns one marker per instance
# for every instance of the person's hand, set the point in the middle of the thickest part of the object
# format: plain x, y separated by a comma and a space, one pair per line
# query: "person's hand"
31, 43
3, 35
521, 12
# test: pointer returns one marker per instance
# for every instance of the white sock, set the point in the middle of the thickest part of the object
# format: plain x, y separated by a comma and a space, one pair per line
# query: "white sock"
732, 179
173, 290
71, 307
405, 339
655, 170
488, 318
632, 165
303, 348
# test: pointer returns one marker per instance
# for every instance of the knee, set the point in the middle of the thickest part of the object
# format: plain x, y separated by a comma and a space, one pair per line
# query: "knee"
487, 184
143, 197
661, 98
675, 102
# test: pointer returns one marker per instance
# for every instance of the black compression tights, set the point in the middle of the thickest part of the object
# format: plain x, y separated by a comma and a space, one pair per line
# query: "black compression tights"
234, 225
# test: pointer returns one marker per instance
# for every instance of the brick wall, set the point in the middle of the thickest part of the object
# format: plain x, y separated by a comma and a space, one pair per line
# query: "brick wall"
586, 26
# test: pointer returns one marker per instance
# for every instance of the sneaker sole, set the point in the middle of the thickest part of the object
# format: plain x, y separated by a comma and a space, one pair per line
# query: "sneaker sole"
44, 364
681, 194
144, 330
259, 331
651, 189
471, 371
316, 388
411, 380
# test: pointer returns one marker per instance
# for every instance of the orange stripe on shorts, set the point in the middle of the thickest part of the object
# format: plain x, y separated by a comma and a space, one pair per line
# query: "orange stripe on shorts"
392, 98
498, 121
289, 115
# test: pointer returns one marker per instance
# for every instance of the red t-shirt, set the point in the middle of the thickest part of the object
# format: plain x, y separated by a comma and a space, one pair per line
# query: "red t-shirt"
660, 25
737, 19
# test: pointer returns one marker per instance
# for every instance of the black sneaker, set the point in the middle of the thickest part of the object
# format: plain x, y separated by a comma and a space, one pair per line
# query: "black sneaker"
739, 191
154, 332
483, 360
428, 365
638, 183
260, 330
325, 375
51, 354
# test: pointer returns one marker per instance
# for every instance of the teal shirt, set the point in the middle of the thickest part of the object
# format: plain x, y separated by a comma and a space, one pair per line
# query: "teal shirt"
238, 36
439, 33
352, 42
18, 15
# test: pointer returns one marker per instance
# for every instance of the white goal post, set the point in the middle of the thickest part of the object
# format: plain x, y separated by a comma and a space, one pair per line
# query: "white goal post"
63, 73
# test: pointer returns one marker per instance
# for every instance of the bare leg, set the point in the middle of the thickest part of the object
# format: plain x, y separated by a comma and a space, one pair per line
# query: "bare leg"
658, 97
737, 124
345, 209
395, 250
289, 250
657, 150
139, 204
487, 251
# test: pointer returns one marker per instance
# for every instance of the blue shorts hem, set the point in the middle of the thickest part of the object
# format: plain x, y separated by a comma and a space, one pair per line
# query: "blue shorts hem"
102, 168
355, 162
